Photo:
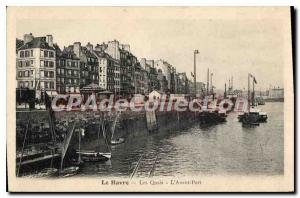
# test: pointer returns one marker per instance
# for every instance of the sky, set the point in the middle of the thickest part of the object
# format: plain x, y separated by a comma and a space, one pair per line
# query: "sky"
229, 45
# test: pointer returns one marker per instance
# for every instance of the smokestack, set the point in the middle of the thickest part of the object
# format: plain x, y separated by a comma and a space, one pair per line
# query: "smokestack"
77, 49
49, 40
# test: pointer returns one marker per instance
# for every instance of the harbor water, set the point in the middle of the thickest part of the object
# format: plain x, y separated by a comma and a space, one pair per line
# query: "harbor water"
224, 149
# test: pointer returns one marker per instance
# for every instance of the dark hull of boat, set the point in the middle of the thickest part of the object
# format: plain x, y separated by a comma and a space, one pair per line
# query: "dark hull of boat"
94, 159
94, 156
250, 120
211, 118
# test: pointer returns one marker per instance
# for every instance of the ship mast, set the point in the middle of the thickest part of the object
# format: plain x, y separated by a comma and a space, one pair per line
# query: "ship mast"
248, 92
207, 86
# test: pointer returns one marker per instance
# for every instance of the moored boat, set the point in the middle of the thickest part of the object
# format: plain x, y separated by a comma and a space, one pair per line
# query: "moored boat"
93, 156
48, 172
69, 171
117, 141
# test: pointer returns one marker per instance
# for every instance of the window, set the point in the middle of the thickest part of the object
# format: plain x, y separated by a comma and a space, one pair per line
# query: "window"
22, 54
27, 63
20, 74
46, 85
51, 54
42, 63
46, 64
57, 71
51, 63
42, 53
69, 72
51, 73
31, 62
52, 85
31, 53
45, 53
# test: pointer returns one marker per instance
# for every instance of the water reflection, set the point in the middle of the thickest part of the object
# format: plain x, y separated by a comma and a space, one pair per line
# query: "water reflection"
221, 149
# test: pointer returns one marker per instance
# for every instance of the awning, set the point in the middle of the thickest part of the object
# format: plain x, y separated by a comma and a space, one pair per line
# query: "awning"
52, 93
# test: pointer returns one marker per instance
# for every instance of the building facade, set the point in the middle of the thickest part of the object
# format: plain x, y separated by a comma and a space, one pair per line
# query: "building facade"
36, 63
88, 63
67, 71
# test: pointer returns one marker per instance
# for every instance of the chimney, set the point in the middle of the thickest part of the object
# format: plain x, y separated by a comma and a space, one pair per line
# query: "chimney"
89, 46
77, 49
126, 47
98, 48
113, 49
28, 38
143, 63
150, 62
49, 40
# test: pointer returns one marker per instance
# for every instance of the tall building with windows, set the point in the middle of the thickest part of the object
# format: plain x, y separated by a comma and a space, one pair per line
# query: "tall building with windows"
36, 63
182, 83
106, 69
166, 69
138, 79
89, 73
112, 48
67, 71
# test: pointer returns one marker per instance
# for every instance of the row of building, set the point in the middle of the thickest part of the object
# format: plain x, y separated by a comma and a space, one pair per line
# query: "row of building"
42, 65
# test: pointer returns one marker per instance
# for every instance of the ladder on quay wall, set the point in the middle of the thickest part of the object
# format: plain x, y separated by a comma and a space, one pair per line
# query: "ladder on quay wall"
145, 166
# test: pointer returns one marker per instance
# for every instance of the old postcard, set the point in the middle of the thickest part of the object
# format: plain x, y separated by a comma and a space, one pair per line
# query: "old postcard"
150, 99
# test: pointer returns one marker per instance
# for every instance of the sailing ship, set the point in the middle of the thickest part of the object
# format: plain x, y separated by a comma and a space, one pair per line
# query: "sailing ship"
253, 116
37, 155
212, 114
113, 139
94, 155
72, 170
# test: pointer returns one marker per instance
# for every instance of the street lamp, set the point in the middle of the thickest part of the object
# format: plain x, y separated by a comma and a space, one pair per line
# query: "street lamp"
195, 86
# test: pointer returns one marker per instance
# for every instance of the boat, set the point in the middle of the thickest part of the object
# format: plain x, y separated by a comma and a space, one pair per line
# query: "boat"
48, 172
263, 117
113, 140
117, 141
222, 115
38, 155
93, 156
69, 171
253, 116
72, 170
212, 117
